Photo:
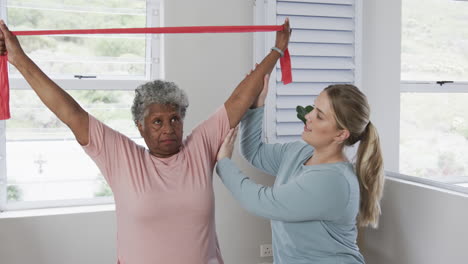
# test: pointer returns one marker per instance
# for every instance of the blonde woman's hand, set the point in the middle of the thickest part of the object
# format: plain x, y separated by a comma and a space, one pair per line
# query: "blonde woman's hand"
260, 101
225, 151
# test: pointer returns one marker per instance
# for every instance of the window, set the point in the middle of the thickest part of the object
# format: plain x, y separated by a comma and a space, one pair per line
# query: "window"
42, 164
434, 90
324, 48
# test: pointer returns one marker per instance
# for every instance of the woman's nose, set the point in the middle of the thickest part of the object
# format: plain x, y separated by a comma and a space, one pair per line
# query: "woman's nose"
168, 129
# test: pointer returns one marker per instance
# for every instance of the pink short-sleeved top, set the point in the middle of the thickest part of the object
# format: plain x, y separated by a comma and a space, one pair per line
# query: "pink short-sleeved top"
164, 206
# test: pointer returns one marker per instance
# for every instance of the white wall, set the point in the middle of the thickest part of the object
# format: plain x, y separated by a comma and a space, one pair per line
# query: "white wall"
208, 67
71, 238
381, 72
419, 225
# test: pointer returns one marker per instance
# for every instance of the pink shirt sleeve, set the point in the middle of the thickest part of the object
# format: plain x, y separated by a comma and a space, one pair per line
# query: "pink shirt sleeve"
110, 150
210, 133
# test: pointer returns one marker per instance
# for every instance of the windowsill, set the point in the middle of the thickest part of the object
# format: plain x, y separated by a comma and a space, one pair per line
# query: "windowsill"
453, 189
57, 211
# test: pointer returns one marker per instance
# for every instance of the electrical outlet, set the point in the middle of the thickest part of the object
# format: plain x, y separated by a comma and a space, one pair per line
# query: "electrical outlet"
266, 250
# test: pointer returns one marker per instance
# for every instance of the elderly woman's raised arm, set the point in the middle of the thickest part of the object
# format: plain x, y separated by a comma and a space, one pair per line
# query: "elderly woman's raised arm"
248, 90
54, 97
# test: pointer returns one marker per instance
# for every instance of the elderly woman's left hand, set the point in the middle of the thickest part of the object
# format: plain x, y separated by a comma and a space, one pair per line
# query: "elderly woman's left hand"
283, 36
225, 151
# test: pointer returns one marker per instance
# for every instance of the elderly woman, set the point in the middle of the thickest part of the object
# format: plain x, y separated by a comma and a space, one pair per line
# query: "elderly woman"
163, 194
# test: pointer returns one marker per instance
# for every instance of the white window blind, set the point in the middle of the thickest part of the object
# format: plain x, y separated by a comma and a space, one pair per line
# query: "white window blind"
324, 48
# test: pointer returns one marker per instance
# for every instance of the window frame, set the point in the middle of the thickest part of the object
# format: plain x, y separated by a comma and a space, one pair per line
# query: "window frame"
421, 87
155, 69
432, 87
3, 182
265, 14
428, 182
154, 18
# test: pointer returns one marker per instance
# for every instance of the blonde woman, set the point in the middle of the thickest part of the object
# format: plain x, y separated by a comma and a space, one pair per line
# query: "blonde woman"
319, 197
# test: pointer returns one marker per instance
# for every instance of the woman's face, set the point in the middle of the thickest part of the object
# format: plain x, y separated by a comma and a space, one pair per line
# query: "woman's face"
162, 130
321, 129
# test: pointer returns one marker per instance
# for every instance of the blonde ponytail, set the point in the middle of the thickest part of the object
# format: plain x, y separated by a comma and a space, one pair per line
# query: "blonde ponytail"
352, 112
369, 169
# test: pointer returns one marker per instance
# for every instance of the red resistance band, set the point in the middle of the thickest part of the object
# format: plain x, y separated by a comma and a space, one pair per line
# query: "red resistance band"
4, 89
285, 61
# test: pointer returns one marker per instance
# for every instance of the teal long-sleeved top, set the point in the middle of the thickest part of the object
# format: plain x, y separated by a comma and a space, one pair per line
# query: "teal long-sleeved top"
312, 208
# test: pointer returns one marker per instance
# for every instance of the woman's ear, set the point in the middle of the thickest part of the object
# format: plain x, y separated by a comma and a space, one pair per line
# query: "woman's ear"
141, 129
342, 136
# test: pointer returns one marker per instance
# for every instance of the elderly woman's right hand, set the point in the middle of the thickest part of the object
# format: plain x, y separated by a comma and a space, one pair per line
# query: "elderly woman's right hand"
282, 37
9, 43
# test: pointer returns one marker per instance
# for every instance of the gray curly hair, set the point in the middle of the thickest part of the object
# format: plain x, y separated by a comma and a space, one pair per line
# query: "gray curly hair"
158, 92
